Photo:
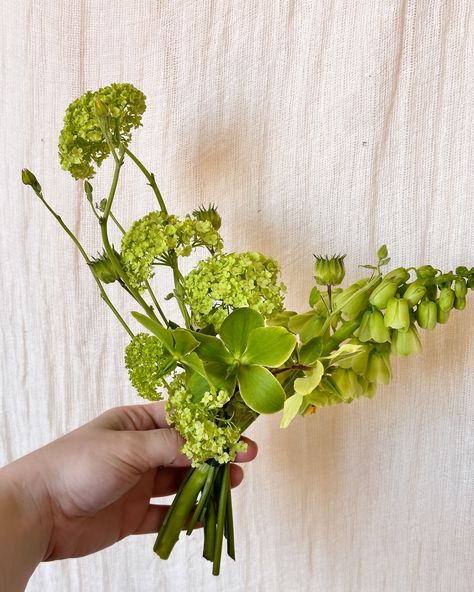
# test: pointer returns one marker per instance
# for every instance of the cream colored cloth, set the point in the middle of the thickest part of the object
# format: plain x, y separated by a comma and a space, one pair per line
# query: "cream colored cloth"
317, 127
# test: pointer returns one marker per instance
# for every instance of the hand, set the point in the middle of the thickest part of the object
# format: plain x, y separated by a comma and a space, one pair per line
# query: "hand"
93, 486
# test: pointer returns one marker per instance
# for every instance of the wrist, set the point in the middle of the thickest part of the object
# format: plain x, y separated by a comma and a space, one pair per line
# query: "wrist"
26, 518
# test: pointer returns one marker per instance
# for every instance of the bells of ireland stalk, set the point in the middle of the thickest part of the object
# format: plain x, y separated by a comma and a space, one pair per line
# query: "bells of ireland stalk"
427, 314
329, 271
397, 315
405, 343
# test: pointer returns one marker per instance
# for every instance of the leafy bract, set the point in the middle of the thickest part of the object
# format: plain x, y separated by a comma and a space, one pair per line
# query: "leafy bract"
154, 327
311, 379
290, 409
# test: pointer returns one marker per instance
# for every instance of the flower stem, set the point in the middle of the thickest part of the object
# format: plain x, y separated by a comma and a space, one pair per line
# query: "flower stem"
150, 178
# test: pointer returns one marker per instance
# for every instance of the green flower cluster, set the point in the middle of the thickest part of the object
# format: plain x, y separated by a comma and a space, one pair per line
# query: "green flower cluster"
147, 363
207, 433
225, 282
151, 238
81, 141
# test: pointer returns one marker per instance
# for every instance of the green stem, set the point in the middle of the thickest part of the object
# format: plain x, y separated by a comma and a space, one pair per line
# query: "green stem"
150, 178
81, 250
229, 527
178, 513
203, 500
209, 530
221, 515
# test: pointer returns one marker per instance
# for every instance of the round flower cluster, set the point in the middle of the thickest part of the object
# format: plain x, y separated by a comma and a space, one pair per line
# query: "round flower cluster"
147, 363
157, 233
224, 282
81, 141
207, 434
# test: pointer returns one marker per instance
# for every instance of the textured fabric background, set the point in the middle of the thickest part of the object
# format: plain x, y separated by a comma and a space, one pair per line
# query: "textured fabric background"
316, 126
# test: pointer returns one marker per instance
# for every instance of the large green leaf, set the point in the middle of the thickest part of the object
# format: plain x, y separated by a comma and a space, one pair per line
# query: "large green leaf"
236, 328
269, 346
197, 385
184, 342
291, 408
211, 349
260, 390
194, 362
154, 327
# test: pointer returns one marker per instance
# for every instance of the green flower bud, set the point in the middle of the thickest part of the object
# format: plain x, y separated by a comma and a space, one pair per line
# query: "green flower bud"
104, 269
353, 300
378, 368
427, 314
405, 343
399, 275
414, 293
382, 293
460, 303
397, 315
425, 272
442, 315
378, 330
329, 271
446, 299
460, 288
382, 252
88, 189
347, 383
462, 270
100, 108
363, 332
208, 214
28, 178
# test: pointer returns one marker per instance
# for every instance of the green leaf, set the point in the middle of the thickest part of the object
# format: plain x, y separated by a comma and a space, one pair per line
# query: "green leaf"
307, 325
260, 390
218, 375
211, 349
314, 296
154, 327
280, 319
310, 351
194, 362
269, 346
196, 385
236, 328
291, 408
311, 379
184, 342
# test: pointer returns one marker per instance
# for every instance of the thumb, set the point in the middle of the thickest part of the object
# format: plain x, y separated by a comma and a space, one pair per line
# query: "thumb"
157, 448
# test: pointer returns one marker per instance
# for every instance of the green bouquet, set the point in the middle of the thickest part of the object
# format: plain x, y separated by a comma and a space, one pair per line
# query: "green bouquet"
237, 352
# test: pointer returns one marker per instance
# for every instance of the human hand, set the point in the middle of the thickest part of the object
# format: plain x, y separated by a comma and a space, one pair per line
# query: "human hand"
93, 486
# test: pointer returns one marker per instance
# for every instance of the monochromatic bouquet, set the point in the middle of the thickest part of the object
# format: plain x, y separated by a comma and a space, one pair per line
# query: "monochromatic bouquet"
237, 352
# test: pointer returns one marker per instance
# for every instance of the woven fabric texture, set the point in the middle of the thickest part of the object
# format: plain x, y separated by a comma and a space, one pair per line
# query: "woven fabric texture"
317, 127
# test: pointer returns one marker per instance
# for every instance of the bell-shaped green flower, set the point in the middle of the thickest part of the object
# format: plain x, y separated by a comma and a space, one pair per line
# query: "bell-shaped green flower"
329, 271
446, 299
399, 275
378, 368
460, 303
353, 300
346, 380
405, 343
442, 316
414, 293
460, 288
425, 272
379, 332
397, 315
382, 293
427, 314
357, 362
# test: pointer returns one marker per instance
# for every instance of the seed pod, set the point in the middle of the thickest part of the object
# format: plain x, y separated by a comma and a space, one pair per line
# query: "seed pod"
405, 343
426, 314
414, 293
397, 315
399, 275
382, 293
329, 271
446, 299
104, 269
460, 303
378, 331
378, 370
209, 214
460, 288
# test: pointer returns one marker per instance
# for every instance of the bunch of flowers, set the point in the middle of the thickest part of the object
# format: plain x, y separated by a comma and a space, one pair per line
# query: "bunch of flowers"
237, 352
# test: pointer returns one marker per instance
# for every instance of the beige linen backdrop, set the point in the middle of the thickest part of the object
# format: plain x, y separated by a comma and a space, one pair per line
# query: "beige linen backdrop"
324, 126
